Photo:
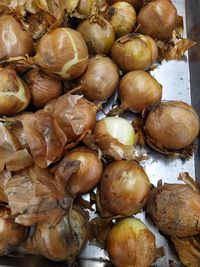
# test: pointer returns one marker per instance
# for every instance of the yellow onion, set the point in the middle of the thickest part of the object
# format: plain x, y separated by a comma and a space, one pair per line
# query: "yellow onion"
13, 39
130, 243
43, 88
63, 53
124, 189
122, 17
171, 126
89, 171
96, 84
157, 19
115, 137
134, 52
99, 36
175, 209
14, 93
12, 234
137, 4
138, 89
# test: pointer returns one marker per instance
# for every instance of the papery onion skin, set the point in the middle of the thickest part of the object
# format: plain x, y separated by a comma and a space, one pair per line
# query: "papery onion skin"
100, 79
157, 19
138, 89
12, 234
124, 188
14, 93
175, 209
43, 88
99, 38
171, 125
14, 40
134, 52
131, 243
122, 17
62, 53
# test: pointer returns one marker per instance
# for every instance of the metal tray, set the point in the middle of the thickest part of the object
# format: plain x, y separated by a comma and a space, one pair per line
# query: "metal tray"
181, 81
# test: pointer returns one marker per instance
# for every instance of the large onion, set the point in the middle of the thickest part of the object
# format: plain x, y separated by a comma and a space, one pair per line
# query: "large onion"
134, 52
157, 19
99, 36
95, 82
131, 243
138, 89
124, 189
63, 53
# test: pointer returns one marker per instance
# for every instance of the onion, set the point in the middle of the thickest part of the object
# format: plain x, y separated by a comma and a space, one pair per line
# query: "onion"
134, 52
138, 89
43, 88
115, 137
99, 36
14, 93
14, 41
137, 4
131, 243
96, 84
171, 126
12, 234
175, 209
122, 17
62, 52
157, 19
124, 189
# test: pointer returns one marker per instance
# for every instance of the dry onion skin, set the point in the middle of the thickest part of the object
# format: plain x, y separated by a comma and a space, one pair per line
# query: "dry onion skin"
131, 243
171, 126
14, 93
96, 84
134, 52
157, 19
99, 36
175, 209
138, 89
63, 53
122, 17
43, 88
124, 189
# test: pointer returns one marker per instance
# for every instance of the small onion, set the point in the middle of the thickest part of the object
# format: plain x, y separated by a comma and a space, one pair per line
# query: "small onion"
157, 19
13, 39
171, 126
14, 93
63, 53
122, 17
124, 189
84, 7
43, 88
99, 36
134, 52
138, 89
96, 84
130, 243
175, 209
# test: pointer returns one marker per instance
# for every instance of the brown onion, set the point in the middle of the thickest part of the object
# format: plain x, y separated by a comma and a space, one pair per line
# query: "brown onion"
122, 17
14, 93
175, 209
12, 234
131, 243
43, 88
99, 36
96, 84
63, 53
171, 126
13, 39
138, 89
124, 189
134, 52
157, 19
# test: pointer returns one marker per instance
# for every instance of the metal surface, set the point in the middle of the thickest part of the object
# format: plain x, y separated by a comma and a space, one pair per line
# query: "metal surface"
181, 81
